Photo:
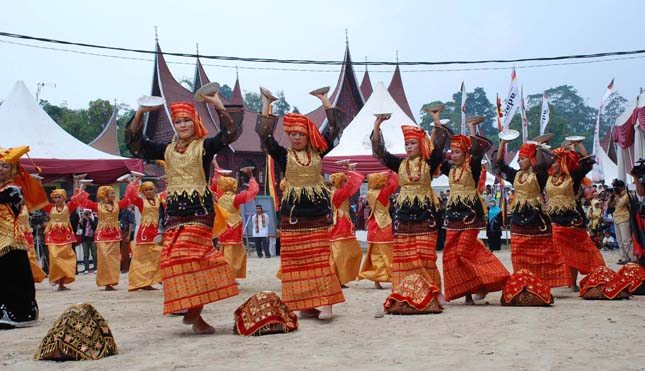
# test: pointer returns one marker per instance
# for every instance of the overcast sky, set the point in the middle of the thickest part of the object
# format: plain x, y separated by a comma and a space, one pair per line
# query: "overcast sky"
419, 30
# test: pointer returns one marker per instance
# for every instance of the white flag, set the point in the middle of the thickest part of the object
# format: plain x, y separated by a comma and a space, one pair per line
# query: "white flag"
525, 121
546, 112
597, 173
463, 109
512, 102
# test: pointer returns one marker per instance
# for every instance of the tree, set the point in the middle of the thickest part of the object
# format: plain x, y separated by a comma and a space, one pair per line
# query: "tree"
187, 83
123, 116
226, 92
295, 110
280, 107
252, 101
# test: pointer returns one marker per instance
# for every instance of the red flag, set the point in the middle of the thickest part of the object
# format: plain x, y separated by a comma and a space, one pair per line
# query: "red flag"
482, 180
499, 114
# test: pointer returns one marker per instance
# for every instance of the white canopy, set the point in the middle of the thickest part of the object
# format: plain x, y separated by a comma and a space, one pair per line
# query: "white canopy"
627, 156
24, 122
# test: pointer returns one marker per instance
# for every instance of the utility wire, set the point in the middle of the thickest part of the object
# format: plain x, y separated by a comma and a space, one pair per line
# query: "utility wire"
333, 71
325, 62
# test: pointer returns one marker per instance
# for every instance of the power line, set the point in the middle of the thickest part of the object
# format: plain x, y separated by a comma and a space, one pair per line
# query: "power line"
466, 69
325, 62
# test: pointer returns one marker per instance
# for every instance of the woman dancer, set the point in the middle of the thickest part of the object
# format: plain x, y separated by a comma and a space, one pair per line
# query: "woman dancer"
144, 267
193, 272
532, 245
346, 252
415, 215
59, 237
18, 307
377, 266
108, 232
230, 241
308, 282
468, 266
569, 226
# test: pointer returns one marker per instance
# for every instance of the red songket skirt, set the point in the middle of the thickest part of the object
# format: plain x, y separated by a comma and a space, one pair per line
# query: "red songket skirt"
469, 267
538, 255
193, 272
307, 277
415, 253
577, 248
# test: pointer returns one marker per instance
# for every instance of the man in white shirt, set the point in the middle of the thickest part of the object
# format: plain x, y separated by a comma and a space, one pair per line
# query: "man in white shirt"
260, 231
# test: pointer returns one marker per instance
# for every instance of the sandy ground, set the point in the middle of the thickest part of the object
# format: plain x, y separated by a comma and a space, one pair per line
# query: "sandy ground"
574, 334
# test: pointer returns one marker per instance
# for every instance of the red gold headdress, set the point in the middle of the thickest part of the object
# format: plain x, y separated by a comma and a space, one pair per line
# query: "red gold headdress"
295, 122
188, 110
417, 133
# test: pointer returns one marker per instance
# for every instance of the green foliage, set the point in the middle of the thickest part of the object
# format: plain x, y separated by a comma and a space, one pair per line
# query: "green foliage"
295, 110
187, 83
252, 101
570, 115
280, 107
124, 115
226, 92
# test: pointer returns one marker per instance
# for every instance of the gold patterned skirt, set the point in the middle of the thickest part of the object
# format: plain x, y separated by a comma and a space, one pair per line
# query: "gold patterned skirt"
235, 255
108, 269
377, 266
307, 277
145, 267
345, 259
62, 263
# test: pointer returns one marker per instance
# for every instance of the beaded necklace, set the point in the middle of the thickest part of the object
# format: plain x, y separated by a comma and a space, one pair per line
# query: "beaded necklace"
295, 155
417, 176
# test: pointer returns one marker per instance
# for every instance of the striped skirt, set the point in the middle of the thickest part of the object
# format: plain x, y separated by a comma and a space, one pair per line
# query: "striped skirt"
577, 248
469, 267
415, 253
193, 272
307, 277
538, 255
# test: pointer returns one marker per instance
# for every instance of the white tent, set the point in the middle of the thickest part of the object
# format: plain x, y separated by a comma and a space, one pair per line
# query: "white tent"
355, 142
627, 156
24, 122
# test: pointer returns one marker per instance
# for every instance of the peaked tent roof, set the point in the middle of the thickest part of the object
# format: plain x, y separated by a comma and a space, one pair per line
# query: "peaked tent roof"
355, 142
108, 140
366, 85
398, 92
57, 152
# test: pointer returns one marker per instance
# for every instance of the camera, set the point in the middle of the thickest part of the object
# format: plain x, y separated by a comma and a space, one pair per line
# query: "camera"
639, 170
38, 217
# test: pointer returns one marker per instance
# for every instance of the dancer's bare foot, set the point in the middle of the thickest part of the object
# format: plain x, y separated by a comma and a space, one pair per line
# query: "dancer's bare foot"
378, 285
109, 288
309, 313
200, 327
469, 300
480, 296
326, 313
342, 285
149, 288
575, 288
62, 287
192, 315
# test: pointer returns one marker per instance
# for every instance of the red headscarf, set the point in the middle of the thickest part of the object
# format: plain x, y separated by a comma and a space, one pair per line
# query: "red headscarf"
420, 135
184, 109
569, 160
461, 142
295, 122
528, 150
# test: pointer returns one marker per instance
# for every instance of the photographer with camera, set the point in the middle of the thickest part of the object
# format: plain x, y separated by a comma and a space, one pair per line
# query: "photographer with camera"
88, 227
638, 172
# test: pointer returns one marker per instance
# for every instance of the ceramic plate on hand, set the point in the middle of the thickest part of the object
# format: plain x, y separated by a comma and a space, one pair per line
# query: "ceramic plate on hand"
150, 101
136, 173
224, 171
575, 138
123, 178
247, 168
509, 135
209, 89
86, 181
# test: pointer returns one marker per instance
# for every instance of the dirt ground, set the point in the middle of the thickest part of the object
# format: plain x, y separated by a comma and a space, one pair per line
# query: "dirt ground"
573, 334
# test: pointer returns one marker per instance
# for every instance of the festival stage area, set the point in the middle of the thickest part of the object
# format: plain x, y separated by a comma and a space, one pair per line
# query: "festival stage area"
573, 334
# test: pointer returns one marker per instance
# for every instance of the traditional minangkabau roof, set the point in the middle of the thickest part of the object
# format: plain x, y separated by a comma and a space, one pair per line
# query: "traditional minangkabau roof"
398, 93
609, 147
366, 85
346, 95
108, 140
159, 126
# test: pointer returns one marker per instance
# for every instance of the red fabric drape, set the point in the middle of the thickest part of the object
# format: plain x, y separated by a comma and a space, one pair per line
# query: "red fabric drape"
101, 171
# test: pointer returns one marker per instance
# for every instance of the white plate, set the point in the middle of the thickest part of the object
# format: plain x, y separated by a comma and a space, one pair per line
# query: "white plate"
342, 162
387, 116
443, 122
224, 171
247, 167
136, 173
36, 176
575, 138
509, 135
123, 178
209, 89
86, 181
353, 165
150, 101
